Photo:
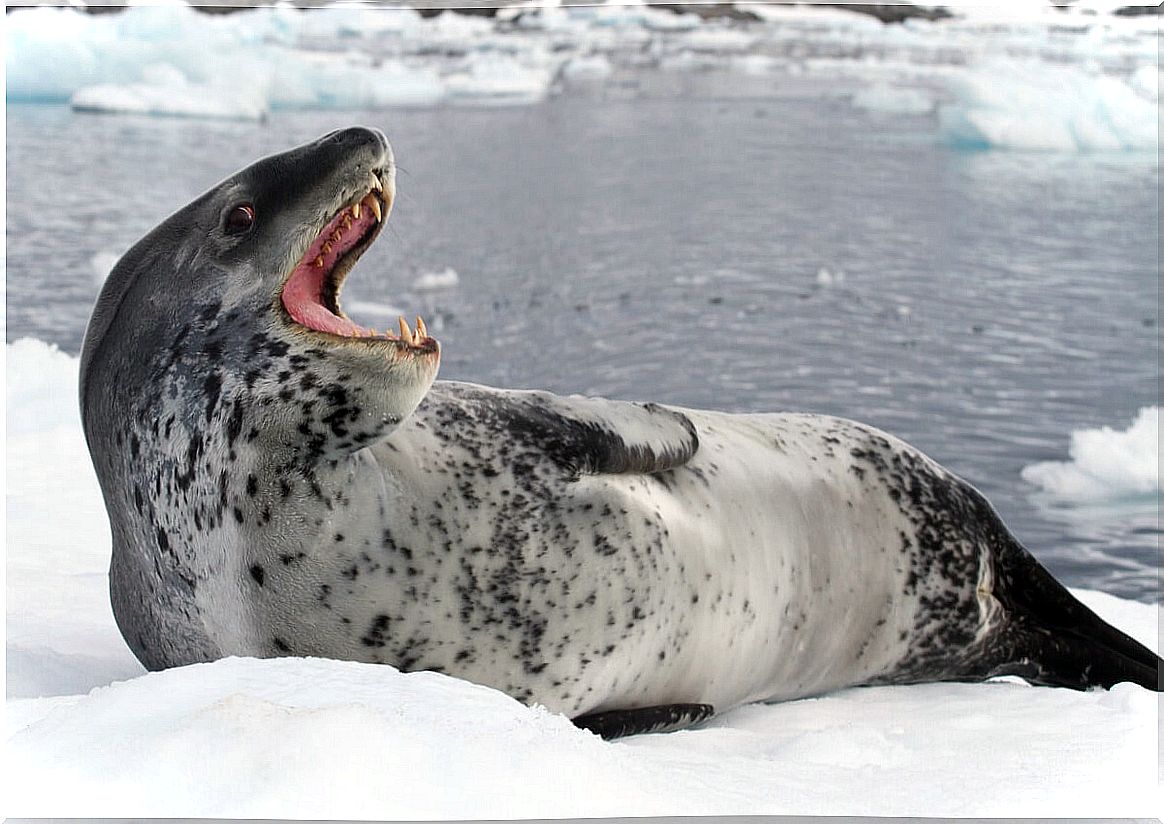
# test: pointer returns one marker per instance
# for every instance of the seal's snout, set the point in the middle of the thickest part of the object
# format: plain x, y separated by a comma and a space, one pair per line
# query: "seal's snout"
355, 139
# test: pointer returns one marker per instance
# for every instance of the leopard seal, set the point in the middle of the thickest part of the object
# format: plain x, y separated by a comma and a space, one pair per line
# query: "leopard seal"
283, 481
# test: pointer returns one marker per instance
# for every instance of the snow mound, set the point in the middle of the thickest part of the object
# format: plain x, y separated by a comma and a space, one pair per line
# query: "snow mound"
41, 385
298, 737
237, 736
1105, 464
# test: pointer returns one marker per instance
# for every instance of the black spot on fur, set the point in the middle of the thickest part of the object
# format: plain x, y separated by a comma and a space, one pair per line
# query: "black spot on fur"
211, 388
377, 634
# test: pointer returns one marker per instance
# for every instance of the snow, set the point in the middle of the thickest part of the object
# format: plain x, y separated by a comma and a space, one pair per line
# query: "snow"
1019, 76
1105, 464
89, 733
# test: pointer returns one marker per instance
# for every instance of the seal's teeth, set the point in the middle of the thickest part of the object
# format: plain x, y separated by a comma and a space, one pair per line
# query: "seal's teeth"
336, 235
356, 211
319, 262
347, 221
327, 247
421, 331
405, 332
374, 204
376, 184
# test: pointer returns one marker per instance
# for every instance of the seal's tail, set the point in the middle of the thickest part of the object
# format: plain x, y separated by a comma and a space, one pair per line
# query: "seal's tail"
1054, 639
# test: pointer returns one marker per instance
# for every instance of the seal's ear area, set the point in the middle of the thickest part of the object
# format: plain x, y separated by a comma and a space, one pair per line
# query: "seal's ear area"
592, 436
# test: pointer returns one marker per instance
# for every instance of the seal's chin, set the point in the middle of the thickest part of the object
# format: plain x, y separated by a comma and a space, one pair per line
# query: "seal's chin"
310, 294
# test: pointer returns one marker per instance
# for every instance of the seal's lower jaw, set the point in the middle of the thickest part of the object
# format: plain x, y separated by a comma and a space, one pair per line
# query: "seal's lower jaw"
310, 293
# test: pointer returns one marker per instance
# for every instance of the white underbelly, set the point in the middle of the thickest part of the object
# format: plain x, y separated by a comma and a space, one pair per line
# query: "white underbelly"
796, 563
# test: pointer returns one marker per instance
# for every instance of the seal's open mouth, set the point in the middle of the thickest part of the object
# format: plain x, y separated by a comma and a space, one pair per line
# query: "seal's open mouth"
311, 292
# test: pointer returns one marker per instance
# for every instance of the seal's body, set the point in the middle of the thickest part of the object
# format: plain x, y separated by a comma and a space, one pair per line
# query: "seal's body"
281, 481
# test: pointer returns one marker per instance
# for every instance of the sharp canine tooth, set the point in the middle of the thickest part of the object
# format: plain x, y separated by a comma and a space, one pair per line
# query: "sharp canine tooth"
356, 211
405, 332
421, 331
376, 183
374, 203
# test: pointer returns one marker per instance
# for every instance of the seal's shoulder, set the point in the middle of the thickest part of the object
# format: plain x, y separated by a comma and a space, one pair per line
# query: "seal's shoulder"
582, 435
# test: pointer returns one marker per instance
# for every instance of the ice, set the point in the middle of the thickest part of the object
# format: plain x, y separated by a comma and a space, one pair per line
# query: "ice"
587, 68
1024, 105
660, 20
1106, 464
1146, 82
361, 308
826, 278
345, 81
89, 733
757, 65
1021, 76
498, 81
719, 40
166, 91
433, 281
884, 97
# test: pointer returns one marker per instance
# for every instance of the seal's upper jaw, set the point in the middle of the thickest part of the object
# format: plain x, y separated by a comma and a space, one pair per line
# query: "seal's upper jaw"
310, 293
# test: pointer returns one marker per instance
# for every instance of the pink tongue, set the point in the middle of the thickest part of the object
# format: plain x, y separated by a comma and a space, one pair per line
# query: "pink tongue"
303, 292
301, 297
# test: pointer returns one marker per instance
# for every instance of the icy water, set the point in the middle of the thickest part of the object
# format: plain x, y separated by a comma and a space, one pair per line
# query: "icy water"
982, 305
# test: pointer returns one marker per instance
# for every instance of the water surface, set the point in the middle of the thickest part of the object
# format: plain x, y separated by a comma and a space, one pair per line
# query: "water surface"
982, 305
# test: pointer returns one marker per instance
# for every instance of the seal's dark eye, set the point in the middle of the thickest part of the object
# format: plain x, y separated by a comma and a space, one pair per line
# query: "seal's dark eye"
241, 218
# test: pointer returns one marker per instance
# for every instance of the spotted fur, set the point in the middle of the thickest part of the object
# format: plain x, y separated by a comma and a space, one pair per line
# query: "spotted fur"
277, 492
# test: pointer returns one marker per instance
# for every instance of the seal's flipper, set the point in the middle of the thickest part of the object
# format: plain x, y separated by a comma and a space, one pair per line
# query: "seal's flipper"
665, 718
1055, 640
588, 436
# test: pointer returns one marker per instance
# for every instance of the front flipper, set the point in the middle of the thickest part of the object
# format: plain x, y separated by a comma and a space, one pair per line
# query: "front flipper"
587, 436
664, 718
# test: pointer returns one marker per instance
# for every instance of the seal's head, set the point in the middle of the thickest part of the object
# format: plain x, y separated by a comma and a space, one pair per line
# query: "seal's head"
241, 290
